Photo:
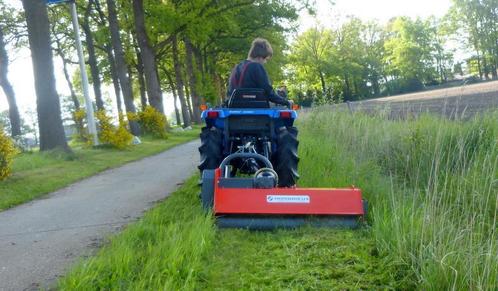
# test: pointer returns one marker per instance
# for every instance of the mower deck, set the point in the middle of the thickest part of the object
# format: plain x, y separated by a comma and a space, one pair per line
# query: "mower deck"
236, 203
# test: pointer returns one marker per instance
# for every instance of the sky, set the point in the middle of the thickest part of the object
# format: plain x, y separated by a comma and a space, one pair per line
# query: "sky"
381, 10
328, 15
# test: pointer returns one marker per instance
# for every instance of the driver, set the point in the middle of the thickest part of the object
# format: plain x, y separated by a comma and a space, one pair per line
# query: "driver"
250, 73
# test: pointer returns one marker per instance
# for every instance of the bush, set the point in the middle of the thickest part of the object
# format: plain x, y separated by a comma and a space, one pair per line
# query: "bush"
82, 134
153, 122
7, 153
118, 137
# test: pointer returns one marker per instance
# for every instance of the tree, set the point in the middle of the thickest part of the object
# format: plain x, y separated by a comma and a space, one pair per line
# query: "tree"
180, 84
148, 56
15, 120
92, 56
311, 58
107, 48
48, 105
121, 66
8, 16
192, 81
408, 53
374, 37
475, 21
63, 46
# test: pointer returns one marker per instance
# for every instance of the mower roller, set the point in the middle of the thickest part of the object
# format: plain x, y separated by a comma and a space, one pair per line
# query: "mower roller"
249, 171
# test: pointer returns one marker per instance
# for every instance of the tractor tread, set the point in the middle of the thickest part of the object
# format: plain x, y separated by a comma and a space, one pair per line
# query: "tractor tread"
210, 149
285, 159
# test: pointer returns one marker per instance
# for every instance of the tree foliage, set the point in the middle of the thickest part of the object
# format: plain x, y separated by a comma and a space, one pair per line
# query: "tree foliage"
361, 59
186, 49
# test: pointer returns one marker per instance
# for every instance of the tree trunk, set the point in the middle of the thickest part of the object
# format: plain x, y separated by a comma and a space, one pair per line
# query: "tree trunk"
75, 100
200, 69
141, 79
198, 59
485, 66
177, 111
388, 86
196, 102
60, 51
114, 77
479, 67
92, 58
47, 101
205, 61
175, 97
110, 57
15, 119
492, 65
220, 89
322, 81
356, 94
148, 57
121, 65
347, 89
189, 102
179, 83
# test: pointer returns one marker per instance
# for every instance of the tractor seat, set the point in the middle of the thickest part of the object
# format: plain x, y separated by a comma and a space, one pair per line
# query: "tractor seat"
248, 98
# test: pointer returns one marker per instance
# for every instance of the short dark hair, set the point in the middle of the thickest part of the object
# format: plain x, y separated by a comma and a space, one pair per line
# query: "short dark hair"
260, 48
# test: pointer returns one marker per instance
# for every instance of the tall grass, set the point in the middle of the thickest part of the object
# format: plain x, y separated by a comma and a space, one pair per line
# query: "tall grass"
432, 186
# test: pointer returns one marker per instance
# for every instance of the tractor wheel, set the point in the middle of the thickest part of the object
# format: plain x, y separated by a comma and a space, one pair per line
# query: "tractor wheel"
285, 158
211, 148
207, 190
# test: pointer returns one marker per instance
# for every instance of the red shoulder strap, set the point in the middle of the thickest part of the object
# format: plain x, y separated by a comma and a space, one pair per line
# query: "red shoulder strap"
241, 78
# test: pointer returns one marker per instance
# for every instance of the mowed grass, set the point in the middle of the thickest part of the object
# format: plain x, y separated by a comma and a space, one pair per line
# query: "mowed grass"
38, 173
301, 259
432, 186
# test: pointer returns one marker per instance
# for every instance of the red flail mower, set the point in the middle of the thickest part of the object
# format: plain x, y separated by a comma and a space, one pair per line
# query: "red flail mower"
249, 171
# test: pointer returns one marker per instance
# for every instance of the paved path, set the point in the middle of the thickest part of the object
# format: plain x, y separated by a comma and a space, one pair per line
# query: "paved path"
40, 240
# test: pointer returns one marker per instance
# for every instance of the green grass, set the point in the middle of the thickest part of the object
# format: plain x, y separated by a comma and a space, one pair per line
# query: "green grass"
162, 251
38, 173
432, 187
303, 259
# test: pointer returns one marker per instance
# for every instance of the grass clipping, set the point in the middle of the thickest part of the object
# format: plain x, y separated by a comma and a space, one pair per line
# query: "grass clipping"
162, 251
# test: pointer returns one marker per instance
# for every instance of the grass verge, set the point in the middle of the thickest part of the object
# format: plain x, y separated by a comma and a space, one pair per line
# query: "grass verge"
38, 173
432, 185
162, 251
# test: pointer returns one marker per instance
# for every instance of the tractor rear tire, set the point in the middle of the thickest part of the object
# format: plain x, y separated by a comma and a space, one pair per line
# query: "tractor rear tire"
285, 158
211, 148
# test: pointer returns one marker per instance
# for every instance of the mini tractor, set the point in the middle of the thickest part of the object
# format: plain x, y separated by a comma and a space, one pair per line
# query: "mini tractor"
249, 170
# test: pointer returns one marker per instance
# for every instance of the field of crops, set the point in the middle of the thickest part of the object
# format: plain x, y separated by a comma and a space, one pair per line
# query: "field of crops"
462, 102
432, 187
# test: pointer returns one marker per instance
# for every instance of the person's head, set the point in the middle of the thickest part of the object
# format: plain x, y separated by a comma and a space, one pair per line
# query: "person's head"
260, 51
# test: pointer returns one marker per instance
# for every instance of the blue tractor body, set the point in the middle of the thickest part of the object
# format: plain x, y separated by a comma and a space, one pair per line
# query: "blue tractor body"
248, 124
248, 120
